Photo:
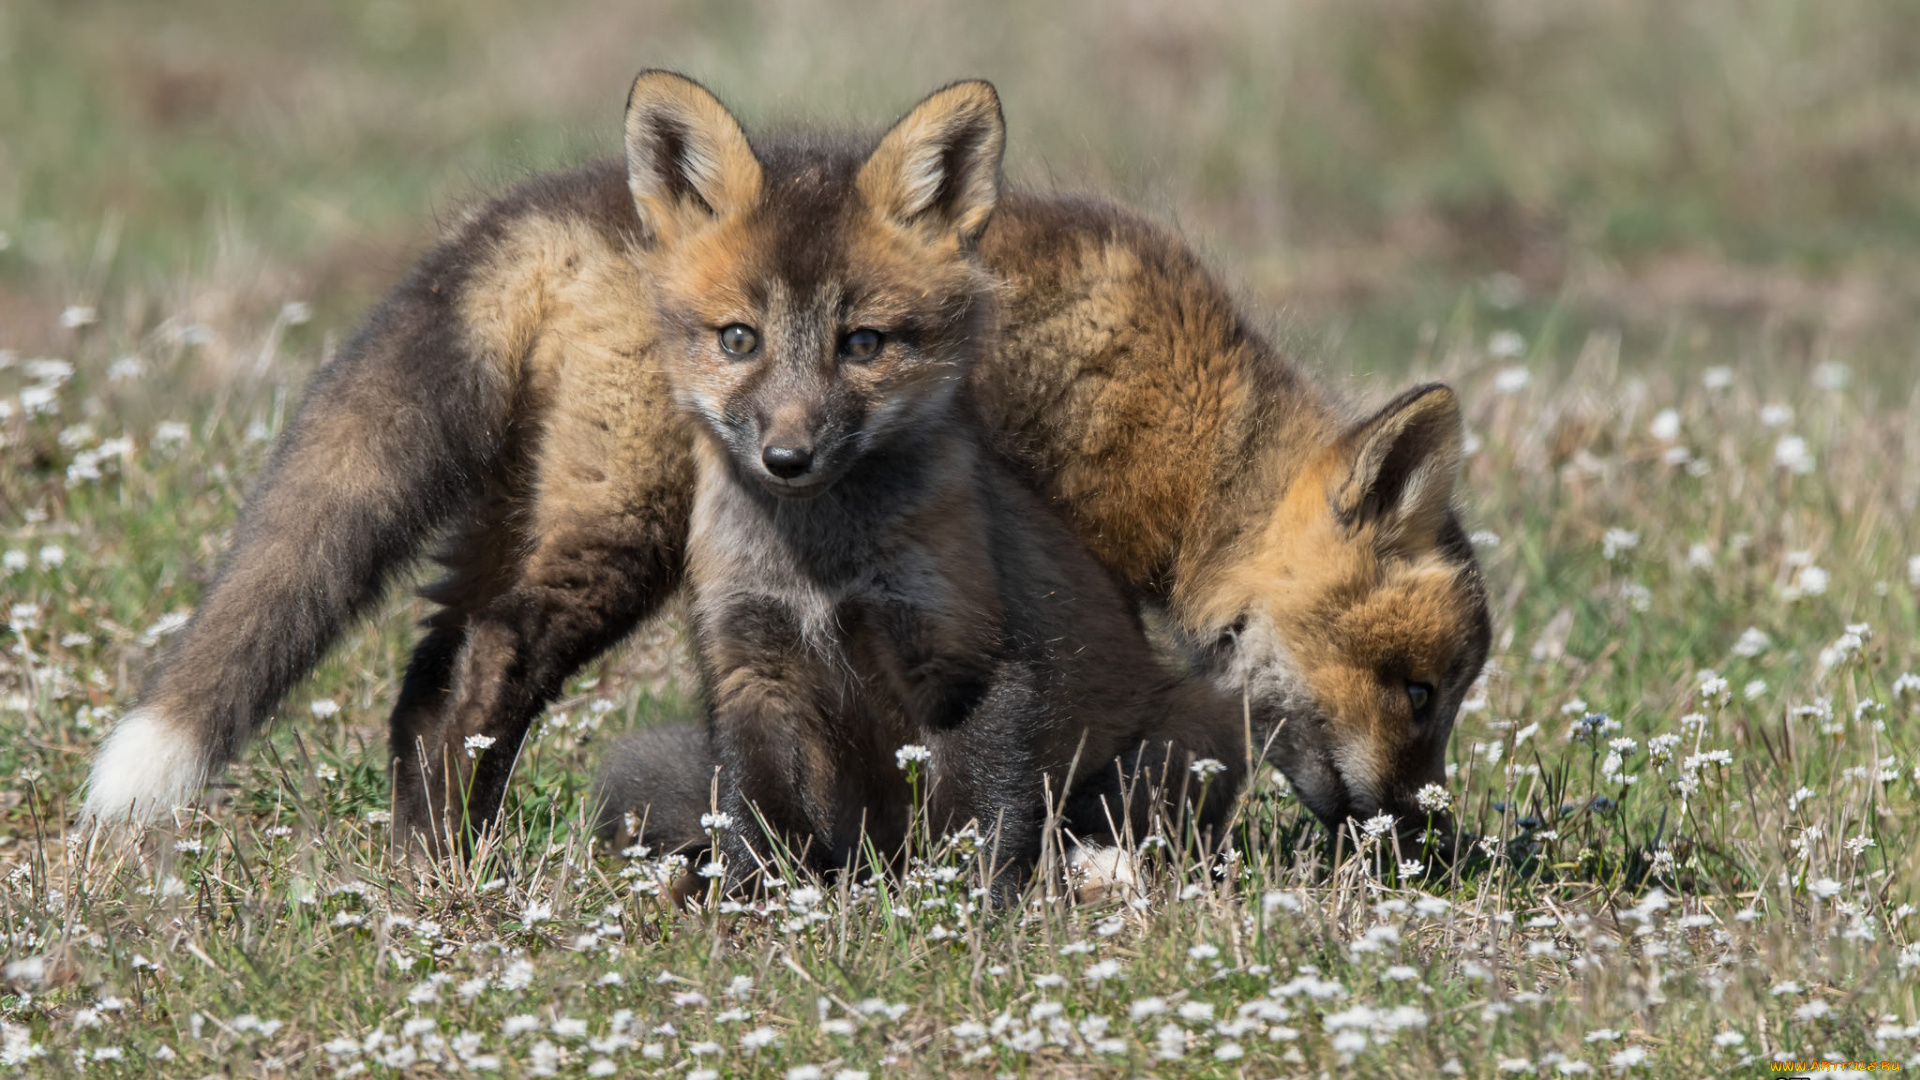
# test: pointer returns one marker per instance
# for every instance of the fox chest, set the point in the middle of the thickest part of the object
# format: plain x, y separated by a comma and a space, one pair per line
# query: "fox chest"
864, 634
849, 604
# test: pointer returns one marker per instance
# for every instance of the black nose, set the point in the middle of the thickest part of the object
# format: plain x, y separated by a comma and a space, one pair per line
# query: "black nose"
787, 462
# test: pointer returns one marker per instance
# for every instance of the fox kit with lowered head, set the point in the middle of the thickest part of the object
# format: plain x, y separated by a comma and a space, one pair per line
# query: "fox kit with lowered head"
864, 574
509, 397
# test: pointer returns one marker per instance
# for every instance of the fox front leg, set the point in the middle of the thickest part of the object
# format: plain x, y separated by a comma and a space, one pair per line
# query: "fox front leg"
941, 666
771, 735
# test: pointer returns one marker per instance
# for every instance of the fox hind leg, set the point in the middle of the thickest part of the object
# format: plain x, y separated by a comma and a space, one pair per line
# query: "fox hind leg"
654, 786
473, 691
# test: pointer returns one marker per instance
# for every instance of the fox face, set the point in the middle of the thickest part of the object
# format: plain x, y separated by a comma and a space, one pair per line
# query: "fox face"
1354, 620
814, 305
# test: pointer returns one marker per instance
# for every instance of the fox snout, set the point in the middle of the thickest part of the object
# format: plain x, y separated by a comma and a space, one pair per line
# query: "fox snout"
787, 462
789, 444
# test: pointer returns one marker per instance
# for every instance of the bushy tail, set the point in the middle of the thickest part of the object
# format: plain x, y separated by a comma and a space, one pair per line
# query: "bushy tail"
654, 786
394, 436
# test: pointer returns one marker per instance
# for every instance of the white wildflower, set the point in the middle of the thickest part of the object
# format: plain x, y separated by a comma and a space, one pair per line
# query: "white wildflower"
1505, 344
1753, 641
1832, 376
40, 400
1145, 1007
1512, 380
1700, 558
1809, 580
1666, 425
1627, 1058
1844, 648
1792, 454
1617, 541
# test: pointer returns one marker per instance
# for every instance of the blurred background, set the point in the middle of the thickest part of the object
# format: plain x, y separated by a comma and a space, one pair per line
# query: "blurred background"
1368, 171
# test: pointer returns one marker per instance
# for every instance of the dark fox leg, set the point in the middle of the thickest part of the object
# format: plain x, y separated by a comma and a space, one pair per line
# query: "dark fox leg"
574, 599
542, 583
771, 735
393, 437
983, 771
654, 786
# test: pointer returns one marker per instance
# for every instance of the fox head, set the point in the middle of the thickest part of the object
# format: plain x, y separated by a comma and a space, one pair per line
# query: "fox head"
1352, 614
815, 303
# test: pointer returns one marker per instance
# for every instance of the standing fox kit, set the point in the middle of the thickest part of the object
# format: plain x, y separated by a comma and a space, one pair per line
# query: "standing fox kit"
510, 397
864, 574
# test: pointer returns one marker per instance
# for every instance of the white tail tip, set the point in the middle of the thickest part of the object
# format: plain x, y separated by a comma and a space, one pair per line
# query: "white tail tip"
146, 768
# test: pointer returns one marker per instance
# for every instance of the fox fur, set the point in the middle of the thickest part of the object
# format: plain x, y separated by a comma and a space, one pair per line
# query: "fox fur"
509, 398
864, 574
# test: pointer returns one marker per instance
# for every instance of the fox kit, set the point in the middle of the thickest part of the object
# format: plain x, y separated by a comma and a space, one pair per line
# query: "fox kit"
509, 396
864, 575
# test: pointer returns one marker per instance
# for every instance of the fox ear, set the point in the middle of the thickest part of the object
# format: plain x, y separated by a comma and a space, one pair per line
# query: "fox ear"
688, 162
939, 167
1401, 465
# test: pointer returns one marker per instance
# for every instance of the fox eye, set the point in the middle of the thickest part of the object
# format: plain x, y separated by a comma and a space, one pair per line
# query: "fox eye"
1419, 693
738, 339
861, 344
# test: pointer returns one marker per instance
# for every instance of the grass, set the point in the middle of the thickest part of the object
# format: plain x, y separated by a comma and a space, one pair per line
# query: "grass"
1661, 252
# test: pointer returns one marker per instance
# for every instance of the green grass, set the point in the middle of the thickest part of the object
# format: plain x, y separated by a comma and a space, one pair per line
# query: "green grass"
1643, 194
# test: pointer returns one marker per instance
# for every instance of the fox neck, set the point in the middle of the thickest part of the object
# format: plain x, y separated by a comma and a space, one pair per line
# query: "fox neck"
1254, 513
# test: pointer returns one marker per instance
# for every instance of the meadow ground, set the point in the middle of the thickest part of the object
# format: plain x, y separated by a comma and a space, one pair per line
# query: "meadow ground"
1666, 252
